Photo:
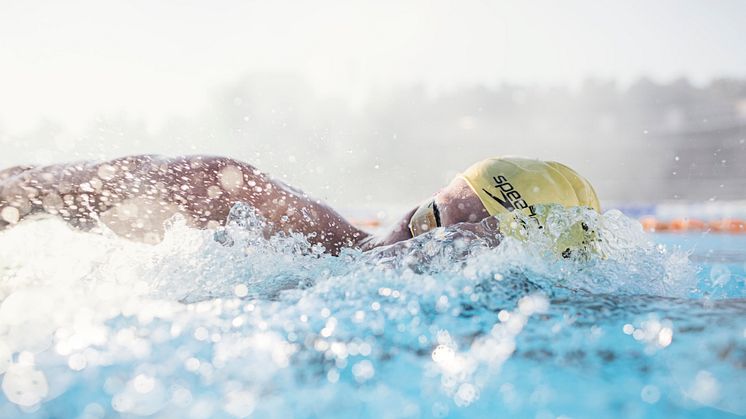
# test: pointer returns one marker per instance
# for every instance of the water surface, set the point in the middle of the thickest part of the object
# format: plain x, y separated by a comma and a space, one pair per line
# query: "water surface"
210, 324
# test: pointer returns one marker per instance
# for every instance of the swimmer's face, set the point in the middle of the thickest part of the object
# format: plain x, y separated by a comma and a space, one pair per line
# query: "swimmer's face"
457, 203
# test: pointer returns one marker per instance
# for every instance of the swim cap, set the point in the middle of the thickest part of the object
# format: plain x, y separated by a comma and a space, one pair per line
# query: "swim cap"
509, 184
506, 184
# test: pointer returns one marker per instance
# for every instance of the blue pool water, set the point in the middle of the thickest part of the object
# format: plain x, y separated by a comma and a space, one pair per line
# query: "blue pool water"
226, 324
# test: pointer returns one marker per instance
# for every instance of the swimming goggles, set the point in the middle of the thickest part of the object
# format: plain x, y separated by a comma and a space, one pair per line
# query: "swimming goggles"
426, 218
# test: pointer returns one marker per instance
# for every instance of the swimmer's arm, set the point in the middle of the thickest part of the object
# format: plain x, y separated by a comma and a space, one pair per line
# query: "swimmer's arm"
203, 188
82, 192
29, 190
6, 176
206, 187
285, 208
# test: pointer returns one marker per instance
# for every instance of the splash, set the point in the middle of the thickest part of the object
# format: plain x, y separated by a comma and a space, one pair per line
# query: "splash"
234, 323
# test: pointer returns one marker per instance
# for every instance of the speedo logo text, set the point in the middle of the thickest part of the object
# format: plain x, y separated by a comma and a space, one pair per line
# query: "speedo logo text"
508, 196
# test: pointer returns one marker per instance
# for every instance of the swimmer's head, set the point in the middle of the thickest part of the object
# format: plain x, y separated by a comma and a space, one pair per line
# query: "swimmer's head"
499, 187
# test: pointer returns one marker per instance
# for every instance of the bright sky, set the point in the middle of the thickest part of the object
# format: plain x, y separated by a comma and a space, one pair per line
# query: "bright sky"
69, 61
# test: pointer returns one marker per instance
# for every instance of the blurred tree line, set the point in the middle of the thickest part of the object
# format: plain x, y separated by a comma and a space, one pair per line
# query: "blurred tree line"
648, 141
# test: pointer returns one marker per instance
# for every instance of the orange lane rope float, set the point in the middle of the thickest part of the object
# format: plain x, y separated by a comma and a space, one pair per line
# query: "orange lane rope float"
680, 225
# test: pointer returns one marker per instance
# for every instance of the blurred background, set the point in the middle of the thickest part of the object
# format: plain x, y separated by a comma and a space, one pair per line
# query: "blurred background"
370, 104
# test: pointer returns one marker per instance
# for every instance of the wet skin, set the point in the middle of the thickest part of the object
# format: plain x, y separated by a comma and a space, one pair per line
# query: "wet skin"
133, 196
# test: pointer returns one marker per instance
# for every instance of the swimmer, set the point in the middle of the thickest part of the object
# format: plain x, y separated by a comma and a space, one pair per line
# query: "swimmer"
134, 196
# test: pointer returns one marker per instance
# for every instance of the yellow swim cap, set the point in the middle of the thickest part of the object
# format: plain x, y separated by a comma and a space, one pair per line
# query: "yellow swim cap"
509, 184
506, 184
